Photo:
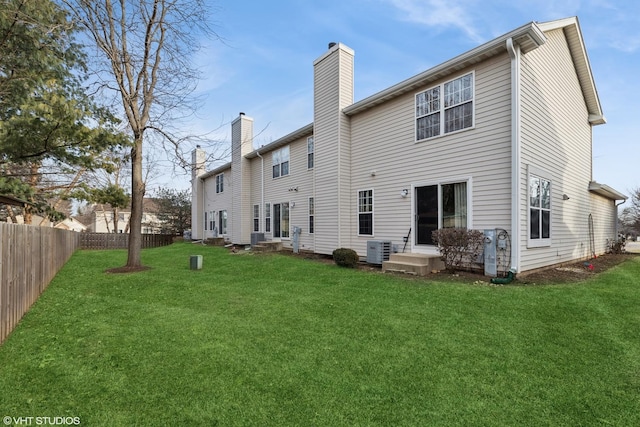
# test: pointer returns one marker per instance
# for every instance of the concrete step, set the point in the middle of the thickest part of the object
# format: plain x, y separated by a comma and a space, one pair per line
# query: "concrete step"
215, 241
267, 247
418, 264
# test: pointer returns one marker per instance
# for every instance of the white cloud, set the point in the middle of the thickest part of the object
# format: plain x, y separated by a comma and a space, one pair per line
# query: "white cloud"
440, 14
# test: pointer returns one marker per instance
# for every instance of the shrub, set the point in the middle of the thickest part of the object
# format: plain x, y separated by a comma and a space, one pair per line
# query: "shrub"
458, 246
345, 257
616, 246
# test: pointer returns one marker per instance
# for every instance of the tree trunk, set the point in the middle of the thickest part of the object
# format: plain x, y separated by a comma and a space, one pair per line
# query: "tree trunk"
115, 220
33, 181
106, 218
12, 214
137, 196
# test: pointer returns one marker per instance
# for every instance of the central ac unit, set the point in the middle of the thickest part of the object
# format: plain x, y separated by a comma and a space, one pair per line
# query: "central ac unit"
256, 238
378, 251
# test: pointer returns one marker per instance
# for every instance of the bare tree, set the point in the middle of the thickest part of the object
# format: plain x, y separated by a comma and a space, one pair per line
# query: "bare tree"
146, 47
630, 217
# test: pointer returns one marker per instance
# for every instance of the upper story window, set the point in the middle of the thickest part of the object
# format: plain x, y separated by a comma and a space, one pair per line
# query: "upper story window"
220, 183
280, 160
445, 108
310, 151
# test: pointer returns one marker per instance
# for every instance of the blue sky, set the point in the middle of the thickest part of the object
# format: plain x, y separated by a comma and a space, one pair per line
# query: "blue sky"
263, 66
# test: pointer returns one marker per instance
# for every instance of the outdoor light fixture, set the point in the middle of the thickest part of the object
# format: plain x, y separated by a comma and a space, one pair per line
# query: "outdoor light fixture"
404, 193
565, 197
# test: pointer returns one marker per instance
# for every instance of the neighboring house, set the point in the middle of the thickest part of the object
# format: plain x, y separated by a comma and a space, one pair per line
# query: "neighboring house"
102, 218
36, 220
72, 224
499, 137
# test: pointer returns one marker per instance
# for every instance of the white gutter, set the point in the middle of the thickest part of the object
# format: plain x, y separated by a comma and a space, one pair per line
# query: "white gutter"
516, 168
261, 190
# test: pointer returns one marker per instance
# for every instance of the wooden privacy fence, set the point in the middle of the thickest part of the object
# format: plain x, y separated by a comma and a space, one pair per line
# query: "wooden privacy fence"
121, 240
30, 257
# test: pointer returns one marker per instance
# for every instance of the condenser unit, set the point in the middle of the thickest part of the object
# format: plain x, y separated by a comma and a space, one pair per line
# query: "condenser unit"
256, 238
378, 251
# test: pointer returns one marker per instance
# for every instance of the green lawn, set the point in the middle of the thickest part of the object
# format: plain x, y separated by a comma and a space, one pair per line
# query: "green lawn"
257, 340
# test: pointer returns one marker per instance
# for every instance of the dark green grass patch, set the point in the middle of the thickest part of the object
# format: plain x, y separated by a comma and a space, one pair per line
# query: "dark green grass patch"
278, 340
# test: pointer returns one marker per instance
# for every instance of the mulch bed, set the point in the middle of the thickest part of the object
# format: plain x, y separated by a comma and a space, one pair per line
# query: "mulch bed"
567, 273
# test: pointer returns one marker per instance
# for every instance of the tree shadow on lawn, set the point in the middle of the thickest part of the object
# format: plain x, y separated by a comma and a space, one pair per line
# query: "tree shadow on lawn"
125, 269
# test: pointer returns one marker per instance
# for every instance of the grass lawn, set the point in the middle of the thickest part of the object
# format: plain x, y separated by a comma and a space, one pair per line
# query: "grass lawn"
256, 340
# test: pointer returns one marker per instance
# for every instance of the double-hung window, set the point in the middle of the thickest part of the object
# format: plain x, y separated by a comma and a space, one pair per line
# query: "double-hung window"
312, 210
310, 151
445, 108
223, 222
280, 161
539, 209
267, 218
220, 183
365, 212
256, 218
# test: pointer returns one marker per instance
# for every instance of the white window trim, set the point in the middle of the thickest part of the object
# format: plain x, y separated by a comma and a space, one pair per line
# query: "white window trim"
442, 108
226, 221
310, 214
279, 152
267, 218
373, 212
541, 173
313, 152
256, 216
220, 183
432, 249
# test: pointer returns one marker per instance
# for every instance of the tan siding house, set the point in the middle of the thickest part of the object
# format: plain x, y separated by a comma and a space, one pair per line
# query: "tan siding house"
498, 138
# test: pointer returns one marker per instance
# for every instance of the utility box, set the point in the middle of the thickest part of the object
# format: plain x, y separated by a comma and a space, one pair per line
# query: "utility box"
195, 262
490, 259
296, 239
378, 251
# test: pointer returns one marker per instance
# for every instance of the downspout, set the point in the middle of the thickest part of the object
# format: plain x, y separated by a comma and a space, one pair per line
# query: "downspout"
201, 225
516, 169
261, 190
616, 218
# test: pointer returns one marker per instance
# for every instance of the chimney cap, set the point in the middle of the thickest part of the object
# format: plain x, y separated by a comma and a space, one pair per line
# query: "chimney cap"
332, 44
241, 113
198, 146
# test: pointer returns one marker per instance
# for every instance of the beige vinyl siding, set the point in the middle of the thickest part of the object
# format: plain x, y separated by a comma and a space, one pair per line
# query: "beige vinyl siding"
333, 90
242, 213
383, 140
282, 189
604, 216
556, 137
218, 201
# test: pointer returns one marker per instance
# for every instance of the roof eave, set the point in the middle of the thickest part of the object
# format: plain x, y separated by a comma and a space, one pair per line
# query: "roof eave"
529, 37
215, 171
296, 134
606, 191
